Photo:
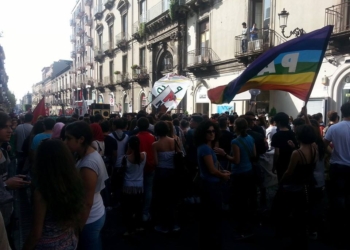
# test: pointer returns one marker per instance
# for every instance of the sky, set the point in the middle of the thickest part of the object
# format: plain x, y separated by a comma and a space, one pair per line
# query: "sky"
35, 34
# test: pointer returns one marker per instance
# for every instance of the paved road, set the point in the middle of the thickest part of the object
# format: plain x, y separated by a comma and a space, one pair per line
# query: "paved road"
187, 238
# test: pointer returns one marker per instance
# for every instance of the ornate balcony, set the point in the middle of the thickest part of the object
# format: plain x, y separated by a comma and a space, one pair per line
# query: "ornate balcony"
108, 3
122, 40
139, 29
201, 58
88, 21
109, 82
98, 11
88, 2
339, 16
89, 62
80, 13
140, 75
80, 49
88, 41
72, 22
80, 31
123, 80
72, 38
108, 48
247, 50
99, 55
73, 54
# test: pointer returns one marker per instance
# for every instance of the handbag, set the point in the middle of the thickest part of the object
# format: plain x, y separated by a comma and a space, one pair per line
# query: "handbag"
257, 169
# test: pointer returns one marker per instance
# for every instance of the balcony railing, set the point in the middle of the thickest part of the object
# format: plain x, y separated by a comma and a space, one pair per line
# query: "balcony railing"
88, 41
201, 56
80, 49
98, 11
72, 22
121, 39
255, 44
80, 13
88, 2
88, 21
73, 54
80, 31
122, 78
72, 38
140, 73
339, 16
108, 3
88, 61
158, 9
139, 27
107, 46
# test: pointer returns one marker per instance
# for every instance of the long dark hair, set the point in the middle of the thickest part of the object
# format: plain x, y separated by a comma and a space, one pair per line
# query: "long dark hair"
58, 181
201, 133
134, 144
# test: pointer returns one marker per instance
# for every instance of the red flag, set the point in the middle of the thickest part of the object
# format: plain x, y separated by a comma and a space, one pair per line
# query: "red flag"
39, 110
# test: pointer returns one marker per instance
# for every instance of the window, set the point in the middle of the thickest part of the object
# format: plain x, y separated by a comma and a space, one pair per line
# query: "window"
100, 73
257, 13
111, 70
142, 57
100, 41
124, 24
142, 11
167, 62
125, 64
110, 35
204, 37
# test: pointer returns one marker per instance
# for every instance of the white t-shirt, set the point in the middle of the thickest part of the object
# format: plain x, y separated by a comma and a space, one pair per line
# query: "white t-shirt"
270, 131
95, 162
339, 135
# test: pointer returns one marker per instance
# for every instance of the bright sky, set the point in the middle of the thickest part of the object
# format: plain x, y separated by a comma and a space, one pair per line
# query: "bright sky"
35, 34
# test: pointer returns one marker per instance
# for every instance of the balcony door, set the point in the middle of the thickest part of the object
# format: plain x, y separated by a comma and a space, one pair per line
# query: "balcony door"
124, 25
204, 35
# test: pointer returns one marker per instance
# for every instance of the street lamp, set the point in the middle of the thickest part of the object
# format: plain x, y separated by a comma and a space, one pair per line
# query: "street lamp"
283, 18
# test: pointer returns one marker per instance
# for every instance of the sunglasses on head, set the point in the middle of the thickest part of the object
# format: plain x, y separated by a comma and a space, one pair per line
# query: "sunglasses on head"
210, 131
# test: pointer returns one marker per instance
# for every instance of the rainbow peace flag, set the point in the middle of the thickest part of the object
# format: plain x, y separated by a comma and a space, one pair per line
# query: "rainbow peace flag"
291, 66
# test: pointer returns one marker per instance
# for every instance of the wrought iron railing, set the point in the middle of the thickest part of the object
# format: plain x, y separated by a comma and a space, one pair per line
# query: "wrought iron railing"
140, 73
339, 16
158, 9
98, 52
122, 37
107, 46
201, 56
253, 43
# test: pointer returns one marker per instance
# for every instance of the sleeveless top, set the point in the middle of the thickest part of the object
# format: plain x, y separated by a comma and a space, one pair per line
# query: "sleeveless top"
133, 178
166, 159
304, 172
56, 237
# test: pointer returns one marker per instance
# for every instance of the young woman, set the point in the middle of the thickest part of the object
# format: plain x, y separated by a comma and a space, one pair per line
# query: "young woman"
243, 186
206, 135
297, 182
133, 186
164, 180
58, 199
78, 137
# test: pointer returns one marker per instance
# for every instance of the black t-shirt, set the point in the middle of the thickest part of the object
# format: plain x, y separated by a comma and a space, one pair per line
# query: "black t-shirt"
280, 141
110, 146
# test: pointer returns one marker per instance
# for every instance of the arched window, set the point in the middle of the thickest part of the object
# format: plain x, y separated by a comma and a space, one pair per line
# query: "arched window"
143, 101
167, 63
100, 99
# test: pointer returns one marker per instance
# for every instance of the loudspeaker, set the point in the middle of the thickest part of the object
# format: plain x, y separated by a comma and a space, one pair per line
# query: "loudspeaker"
100, 106
105, 113
96, 111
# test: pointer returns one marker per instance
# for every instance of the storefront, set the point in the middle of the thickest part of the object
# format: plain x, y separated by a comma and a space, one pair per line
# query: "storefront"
202, 101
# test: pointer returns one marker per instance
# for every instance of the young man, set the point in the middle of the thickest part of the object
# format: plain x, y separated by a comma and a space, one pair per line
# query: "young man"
244, 35
6, 184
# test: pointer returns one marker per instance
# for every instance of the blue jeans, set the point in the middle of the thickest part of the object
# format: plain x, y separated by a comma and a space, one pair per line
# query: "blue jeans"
147, 187
90, 236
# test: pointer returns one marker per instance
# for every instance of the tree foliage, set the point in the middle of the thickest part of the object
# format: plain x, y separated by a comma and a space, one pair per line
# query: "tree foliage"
12, 98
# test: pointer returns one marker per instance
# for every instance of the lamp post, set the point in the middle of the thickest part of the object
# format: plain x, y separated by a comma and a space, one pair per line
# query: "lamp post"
283, 18
254, 93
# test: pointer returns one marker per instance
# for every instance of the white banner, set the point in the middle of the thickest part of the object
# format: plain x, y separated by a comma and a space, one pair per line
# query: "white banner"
178, 84
166, 97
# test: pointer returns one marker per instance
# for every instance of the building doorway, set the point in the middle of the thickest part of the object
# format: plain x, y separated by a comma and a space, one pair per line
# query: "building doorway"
202, 100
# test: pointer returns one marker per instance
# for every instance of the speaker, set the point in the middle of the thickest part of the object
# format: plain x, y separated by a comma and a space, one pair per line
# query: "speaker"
100, 106
96, 111
105, 113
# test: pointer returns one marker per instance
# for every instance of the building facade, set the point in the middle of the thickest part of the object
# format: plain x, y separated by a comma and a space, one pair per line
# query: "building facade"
56, 86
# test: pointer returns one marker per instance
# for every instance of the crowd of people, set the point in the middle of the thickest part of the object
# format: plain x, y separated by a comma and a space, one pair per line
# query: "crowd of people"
149, 165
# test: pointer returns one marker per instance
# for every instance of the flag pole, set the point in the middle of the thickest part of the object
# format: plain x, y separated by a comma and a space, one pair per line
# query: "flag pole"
325, 44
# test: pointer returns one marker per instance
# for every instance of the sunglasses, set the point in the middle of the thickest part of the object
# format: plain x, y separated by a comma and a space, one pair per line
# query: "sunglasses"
210, 131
